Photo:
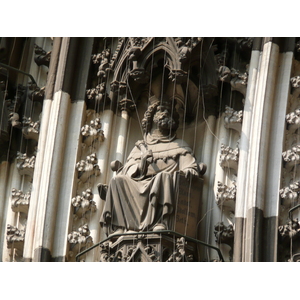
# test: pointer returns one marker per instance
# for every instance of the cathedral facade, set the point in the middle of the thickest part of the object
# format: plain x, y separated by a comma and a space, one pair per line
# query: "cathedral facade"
149, 149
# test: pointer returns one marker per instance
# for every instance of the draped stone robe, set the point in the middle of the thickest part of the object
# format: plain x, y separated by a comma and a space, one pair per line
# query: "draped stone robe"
139, 204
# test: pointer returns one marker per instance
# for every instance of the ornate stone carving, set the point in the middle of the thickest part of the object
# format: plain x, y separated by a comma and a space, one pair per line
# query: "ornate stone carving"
79, 240
295, 82
30, 129
25, 165
97, 96
92, 132
149, 170
103, 60
229, 157
15, 237
245, 43
291, 157
179, 254
88, 168
116, 53
226, 194
179, 76
186, 49
84, 203
239, 81
233, 119
126, 104
37, 94
224, 74
293, 120
290, 192
14, 120
225, 235
291, 230
139, 75
19, 201
42, 58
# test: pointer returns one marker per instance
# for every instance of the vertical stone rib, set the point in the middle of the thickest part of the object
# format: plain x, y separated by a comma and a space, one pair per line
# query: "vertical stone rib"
244, 148
30, 229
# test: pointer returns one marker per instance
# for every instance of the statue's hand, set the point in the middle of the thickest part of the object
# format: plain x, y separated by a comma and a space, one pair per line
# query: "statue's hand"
147, 156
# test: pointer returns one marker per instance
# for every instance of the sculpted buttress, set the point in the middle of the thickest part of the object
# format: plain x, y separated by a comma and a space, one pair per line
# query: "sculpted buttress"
141, 195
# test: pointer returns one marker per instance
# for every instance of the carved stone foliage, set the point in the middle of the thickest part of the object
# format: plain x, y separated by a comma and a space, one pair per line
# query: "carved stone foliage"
88, 168
239, 81
42, 58
225, 235
291, 157
102, 59
233, 119
293, 120
290, 192
14, 237
79, 239
97, 96
19, 201
92, 132
229, 157
30, 128
84, 203
25, 165
226, 195
295, 83
291, 230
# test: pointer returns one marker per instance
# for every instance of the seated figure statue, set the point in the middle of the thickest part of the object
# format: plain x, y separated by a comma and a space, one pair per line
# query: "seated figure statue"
141, 195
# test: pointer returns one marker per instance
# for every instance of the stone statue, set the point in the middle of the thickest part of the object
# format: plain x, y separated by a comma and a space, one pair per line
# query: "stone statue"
141, 196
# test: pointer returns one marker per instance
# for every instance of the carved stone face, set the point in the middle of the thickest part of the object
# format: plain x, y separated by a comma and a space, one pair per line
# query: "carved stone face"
163, 119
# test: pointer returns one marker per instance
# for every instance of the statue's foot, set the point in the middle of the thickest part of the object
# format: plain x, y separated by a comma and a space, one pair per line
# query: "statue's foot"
159, 227
102, 190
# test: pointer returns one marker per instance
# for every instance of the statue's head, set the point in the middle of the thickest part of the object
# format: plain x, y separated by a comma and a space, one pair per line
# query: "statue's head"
164, 115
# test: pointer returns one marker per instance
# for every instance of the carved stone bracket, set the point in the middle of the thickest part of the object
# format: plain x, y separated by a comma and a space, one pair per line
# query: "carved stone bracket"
42, 58
88, 168
290, 192
233, 119
118, 87
179, 76
84, 203
79, 240
295, 83
225, 235
139, 75
239, 81
15, 237
37, 94
25, 165
291, 157
226, 195
30, 129
92, 132
19, 201
229, 157
293, 120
